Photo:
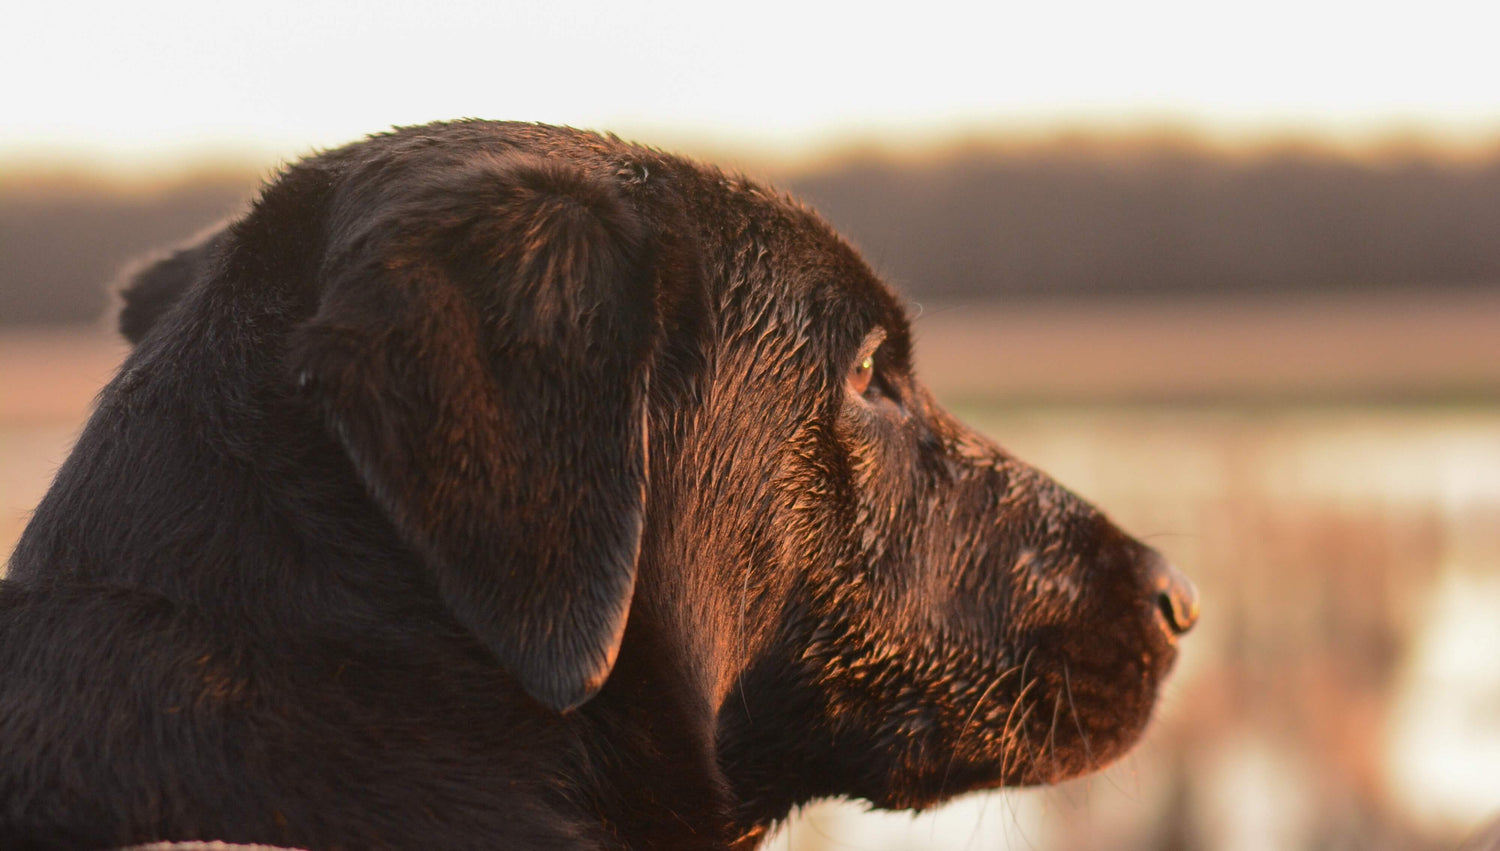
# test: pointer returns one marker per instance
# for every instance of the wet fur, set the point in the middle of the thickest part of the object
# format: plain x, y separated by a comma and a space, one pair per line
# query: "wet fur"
496, 485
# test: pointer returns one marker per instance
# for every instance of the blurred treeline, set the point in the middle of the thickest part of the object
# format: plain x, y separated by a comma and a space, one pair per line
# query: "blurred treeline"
1066, 218
1168, 217
63, 239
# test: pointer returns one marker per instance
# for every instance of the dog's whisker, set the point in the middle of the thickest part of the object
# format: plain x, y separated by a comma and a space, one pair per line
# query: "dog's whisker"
1083, 735
1050, 743
1007, 730
1031, 752
964, 728
1011, 730
1156, 536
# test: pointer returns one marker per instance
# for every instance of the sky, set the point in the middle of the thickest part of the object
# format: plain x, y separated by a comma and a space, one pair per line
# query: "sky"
161, 84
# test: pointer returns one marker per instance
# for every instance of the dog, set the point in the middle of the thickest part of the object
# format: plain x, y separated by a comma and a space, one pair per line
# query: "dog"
496, 485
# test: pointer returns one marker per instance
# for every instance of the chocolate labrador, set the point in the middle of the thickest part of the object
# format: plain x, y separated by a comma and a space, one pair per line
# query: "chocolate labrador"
494, 485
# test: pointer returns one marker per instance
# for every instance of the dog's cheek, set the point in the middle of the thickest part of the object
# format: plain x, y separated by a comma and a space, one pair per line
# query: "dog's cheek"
984, 572
1079, 618
980, 625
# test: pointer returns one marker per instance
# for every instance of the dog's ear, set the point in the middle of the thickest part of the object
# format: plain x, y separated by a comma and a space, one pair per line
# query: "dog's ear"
150, 287
482, 354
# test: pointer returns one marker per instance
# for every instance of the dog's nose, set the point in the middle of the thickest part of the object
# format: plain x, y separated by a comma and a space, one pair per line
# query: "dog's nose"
1175, 595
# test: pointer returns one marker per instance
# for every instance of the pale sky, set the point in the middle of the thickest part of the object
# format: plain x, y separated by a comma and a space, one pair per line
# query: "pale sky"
166, 83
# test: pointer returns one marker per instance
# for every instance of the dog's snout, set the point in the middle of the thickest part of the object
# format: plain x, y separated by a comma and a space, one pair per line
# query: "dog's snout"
1174, 595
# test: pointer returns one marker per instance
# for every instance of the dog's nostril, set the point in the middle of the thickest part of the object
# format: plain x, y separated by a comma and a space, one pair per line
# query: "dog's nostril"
1180, 616
1176, 596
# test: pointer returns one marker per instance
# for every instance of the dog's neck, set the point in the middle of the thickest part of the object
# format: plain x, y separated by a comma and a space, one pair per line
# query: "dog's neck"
219, 454
713, 614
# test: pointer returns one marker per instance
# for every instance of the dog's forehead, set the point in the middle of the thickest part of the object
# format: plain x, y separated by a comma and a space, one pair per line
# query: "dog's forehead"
804, 258
748, 233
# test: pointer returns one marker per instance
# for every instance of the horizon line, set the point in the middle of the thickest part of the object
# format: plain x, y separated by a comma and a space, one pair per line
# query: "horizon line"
785, 154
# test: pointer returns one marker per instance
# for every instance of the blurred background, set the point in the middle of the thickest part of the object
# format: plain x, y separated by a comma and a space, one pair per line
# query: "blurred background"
1232, 273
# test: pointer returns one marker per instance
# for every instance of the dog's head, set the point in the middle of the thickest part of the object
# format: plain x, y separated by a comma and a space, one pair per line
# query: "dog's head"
592, 384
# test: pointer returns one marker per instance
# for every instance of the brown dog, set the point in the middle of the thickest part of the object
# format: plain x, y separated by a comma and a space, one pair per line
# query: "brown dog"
506, 486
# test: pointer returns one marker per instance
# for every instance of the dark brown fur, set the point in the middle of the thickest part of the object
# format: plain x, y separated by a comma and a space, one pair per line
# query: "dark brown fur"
504, 486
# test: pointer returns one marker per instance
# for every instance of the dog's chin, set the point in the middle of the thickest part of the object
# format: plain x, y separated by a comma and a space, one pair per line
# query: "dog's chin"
1085, 739
1079, 709
1090, 704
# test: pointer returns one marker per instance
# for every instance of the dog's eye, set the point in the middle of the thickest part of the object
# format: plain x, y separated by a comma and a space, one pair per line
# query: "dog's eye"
862, 374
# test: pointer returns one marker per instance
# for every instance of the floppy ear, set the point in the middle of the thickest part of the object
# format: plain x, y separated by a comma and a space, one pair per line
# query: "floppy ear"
482, 356
154, 284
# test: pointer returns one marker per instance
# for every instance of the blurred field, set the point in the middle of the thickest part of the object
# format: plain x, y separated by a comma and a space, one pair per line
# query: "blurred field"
1394, 346
1328, 471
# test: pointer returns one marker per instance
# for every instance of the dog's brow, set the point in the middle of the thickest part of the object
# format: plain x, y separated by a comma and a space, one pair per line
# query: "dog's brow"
872, 341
